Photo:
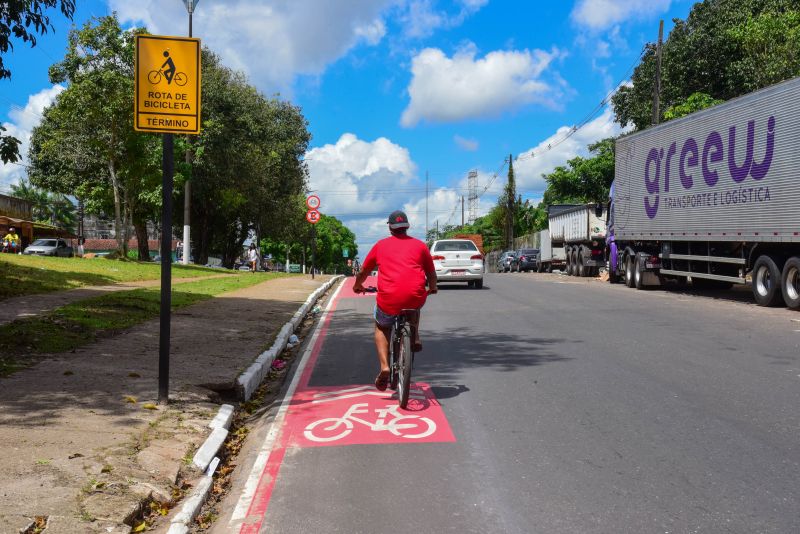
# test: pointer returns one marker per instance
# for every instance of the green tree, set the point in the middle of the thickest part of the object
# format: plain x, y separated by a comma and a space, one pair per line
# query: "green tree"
248, 176
51, 208
695, 102
583, 179
85, 144
724, 49
24, 20
332, 238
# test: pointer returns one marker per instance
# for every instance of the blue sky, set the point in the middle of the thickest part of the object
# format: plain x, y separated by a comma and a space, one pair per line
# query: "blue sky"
393, 89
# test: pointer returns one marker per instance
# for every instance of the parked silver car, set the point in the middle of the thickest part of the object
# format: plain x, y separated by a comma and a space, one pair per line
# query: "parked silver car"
458, 260
49, 247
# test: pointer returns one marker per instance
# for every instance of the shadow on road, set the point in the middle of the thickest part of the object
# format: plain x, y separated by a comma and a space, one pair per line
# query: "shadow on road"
348, 356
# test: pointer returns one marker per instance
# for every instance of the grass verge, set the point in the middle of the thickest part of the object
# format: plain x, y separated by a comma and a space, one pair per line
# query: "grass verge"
83, 322
30, 275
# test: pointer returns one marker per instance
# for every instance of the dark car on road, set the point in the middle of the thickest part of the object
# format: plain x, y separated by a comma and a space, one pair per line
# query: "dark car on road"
504, 262
525, 259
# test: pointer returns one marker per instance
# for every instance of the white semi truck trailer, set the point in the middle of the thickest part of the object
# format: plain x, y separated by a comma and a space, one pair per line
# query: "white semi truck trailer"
713, 197
581, 231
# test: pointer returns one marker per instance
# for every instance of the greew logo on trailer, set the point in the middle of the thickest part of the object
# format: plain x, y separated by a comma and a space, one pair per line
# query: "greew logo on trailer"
167, 84
696, 166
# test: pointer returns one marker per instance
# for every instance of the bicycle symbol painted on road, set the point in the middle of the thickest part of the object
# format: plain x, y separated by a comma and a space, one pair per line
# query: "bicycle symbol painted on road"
389, 419
326, 416
170, 74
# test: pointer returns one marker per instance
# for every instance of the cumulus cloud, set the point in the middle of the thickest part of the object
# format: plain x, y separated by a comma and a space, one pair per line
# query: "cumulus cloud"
23, 121
445, 89
361, 182
600, 15
470, 145
361, 177
272, 41
528, 170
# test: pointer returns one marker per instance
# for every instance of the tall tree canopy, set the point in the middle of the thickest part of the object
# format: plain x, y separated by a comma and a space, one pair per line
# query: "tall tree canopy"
247, 169
724, 49
24, 20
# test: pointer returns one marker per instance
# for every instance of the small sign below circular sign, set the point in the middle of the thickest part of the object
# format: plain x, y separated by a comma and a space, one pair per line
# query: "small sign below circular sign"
313, 202
313, 216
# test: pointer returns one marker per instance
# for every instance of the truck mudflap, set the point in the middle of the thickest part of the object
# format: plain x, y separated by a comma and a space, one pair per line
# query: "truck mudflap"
649, 262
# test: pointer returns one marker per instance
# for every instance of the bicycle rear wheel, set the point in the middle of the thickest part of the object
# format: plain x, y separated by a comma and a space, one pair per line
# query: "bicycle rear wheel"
394, 351
404, 367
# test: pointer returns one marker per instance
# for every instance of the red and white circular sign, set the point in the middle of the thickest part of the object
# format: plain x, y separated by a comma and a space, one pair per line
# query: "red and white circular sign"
313, 202
313, 216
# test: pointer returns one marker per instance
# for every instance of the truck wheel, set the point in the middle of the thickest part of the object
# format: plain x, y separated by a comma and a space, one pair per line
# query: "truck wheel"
629, 271
766, 282
582, 269
638, 275
478, 284
790, 283
575, 271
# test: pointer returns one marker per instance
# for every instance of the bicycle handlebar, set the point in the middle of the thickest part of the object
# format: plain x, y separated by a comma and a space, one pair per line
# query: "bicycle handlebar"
367, 289
373, 289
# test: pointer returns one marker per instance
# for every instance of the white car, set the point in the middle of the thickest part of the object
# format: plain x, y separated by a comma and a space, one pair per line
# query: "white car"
458, 260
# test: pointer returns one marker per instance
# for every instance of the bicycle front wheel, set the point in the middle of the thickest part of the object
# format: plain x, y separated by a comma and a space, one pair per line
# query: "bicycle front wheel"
154, 76
404, 367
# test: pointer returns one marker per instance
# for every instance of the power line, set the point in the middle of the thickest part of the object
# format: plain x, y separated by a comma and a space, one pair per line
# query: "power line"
589, 116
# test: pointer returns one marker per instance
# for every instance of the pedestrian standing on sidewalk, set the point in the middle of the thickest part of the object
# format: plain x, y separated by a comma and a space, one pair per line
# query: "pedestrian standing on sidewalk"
252, 257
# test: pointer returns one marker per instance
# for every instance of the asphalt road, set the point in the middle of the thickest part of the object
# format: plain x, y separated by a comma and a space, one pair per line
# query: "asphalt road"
575, 406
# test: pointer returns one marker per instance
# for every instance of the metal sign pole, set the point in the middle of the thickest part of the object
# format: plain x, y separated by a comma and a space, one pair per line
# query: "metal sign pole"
168, 166
313, 249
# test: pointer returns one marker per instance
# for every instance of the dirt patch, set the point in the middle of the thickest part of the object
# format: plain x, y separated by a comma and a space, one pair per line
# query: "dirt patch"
77, 440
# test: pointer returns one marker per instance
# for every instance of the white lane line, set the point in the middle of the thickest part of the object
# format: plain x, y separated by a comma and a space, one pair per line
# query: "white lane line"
250, 487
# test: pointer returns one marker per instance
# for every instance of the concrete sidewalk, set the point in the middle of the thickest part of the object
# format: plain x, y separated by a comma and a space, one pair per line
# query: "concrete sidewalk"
77, 444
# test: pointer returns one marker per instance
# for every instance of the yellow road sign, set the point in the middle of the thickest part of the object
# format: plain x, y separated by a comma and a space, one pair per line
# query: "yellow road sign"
167, 81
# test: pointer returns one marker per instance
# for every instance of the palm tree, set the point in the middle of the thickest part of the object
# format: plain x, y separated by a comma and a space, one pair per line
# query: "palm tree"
50, 208
39, 198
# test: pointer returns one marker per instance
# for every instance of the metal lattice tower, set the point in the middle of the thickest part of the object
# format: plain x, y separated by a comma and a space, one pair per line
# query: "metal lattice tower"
472, 181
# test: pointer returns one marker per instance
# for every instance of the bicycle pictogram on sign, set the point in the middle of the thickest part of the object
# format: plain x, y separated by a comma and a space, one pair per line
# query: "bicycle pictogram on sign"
170, 74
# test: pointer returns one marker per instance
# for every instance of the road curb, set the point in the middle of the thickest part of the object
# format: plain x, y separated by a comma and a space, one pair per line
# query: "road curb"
205, 458
248, 381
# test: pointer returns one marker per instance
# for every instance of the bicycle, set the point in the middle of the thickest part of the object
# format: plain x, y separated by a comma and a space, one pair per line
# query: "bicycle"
154, 77
401, 355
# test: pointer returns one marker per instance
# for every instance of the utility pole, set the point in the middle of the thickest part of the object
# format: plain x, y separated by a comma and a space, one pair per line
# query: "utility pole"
426, 205
187, 188
437, 228
657, 84
462, 213
511, 193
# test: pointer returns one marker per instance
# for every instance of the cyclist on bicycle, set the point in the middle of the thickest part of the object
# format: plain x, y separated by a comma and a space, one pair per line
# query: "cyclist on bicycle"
405, 267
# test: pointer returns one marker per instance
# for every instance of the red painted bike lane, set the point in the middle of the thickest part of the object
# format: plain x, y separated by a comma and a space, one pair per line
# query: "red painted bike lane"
335, 416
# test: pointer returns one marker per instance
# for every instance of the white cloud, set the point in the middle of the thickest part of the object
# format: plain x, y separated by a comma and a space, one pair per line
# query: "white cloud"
23, 121
421, 18
603, 14
528, 170
470, 145
361, 182
445, 89
358, 177
273, 41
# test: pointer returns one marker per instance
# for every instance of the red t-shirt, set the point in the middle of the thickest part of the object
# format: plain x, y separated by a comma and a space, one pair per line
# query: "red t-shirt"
402, 262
